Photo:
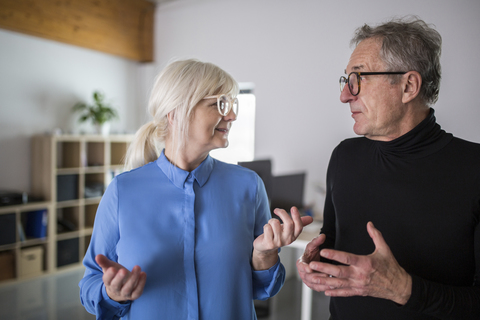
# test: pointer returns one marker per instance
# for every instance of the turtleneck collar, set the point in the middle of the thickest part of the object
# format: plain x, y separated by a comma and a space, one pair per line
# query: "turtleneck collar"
178, 176
426, 138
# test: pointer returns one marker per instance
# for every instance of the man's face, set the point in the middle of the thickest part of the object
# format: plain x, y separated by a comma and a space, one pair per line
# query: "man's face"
378, 110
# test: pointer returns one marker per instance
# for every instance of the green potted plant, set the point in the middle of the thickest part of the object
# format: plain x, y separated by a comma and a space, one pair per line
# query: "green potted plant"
100, 113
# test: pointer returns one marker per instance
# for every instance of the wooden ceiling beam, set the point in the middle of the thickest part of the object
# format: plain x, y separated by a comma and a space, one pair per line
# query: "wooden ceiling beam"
120, 27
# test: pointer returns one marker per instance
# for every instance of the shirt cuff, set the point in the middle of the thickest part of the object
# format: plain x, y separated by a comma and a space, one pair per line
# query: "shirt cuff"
415, 302
113, 307
264, 277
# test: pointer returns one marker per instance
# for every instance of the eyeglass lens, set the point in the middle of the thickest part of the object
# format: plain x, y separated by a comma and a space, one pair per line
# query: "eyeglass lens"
353, 84
224, 105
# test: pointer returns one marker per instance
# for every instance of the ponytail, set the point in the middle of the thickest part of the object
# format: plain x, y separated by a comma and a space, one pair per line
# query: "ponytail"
146, 145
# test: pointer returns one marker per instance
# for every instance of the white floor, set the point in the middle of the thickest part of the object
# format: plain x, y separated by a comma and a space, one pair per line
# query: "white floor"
56, 297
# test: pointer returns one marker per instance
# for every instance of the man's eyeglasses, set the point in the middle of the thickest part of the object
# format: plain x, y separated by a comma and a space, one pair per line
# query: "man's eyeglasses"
225, 104
354, 82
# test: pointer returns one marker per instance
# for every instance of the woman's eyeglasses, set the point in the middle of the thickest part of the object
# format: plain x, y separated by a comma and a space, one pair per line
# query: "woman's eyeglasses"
225, 104
354, 81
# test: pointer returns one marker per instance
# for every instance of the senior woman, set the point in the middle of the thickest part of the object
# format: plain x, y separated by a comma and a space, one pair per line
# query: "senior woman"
183, 235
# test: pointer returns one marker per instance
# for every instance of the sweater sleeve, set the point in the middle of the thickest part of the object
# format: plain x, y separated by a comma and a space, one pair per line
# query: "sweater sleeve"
105, 236
328, 227
448, 302
266, 283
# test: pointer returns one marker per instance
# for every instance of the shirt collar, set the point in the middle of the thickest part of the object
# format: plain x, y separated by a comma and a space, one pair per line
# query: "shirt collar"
178, 176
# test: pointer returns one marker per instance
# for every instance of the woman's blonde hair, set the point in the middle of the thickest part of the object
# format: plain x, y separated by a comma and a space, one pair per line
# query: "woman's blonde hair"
178, 88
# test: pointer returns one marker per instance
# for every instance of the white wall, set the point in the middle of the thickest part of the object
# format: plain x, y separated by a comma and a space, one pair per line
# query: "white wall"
295, 51
40, 81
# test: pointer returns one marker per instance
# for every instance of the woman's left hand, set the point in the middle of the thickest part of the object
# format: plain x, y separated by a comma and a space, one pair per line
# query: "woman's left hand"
276, 235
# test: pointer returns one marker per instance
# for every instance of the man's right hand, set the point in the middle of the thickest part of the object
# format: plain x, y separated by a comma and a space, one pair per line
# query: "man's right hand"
121, 284
312, 253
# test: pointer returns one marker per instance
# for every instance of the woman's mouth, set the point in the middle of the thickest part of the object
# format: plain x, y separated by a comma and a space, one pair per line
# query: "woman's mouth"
223, 130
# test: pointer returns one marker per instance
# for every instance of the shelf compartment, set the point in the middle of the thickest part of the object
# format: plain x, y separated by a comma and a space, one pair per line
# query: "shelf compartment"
118, 150
33, 224
68, 252
31, 262
68, 219
7, 265
67, 187
94, 185
68, 154
90, 212
95, 154
86, 240
8, 229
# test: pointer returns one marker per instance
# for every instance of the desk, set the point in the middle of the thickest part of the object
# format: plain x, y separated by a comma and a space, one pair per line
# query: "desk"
309, 232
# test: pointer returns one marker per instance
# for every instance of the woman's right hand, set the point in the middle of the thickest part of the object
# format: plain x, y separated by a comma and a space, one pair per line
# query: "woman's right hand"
121, 284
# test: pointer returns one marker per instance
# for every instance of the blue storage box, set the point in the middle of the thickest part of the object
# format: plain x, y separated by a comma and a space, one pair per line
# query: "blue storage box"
37, 224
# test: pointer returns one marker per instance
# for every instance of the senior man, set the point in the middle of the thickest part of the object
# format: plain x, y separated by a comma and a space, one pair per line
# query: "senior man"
401, 233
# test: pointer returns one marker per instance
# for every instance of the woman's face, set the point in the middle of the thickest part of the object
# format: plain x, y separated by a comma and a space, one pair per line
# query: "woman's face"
208, 129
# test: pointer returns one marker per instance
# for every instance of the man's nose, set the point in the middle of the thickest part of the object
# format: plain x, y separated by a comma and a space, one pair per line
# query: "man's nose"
346, 96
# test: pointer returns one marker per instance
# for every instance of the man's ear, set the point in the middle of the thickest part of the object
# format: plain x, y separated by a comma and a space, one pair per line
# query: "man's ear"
411, 86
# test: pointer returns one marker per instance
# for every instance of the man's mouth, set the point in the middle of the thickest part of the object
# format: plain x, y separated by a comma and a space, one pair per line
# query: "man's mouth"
354, 113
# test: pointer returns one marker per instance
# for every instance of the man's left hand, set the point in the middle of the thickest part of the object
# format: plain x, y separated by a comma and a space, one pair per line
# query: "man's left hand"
376, 275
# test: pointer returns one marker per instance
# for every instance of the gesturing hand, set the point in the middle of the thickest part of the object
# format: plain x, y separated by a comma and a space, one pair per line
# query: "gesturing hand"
121, 284
276, 235
312, 253
376, 275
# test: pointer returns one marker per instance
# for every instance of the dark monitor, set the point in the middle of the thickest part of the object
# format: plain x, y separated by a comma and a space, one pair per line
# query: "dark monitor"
287, 191
264, 169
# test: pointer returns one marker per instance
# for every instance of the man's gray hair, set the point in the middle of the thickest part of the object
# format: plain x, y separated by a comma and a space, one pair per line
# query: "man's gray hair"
409, 44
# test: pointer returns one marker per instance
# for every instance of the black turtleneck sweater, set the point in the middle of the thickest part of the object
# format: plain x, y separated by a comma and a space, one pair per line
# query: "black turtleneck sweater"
422, 191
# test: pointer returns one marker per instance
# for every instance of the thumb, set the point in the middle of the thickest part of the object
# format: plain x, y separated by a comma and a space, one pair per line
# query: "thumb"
377, 237
306, 220
104, 262
312, 247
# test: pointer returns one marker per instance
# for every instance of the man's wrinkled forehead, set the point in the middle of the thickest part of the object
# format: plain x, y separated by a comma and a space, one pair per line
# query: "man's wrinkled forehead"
365, 57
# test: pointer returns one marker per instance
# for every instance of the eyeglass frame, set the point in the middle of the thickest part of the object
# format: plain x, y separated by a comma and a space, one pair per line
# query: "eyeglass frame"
347, 79
230, 103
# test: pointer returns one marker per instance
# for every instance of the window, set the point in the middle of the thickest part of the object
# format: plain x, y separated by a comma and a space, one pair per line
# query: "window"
242, 135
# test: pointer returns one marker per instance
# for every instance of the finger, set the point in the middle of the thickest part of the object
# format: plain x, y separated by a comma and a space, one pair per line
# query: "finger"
131, 282
302, 265
108, 276
316, 281
267, 233
119, 279
340, 256
297, 221
138, 290
286, 219
277, 231
342, 292
326, 268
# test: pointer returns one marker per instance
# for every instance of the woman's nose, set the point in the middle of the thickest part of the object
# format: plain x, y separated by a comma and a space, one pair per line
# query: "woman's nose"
231, 116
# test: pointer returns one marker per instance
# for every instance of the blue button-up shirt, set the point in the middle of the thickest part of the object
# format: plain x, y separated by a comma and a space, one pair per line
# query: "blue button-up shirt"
192, 233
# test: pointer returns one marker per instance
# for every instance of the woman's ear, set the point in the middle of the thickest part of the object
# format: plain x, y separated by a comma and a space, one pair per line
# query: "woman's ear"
412, 86
171, 117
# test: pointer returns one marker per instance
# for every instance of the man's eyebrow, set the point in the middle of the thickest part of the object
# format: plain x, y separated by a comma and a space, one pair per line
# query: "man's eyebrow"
355, 68
360, 67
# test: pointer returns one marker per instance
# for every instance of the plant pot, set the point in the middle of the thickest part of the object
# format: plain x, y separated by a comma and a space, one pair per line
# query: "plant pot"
103, 129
